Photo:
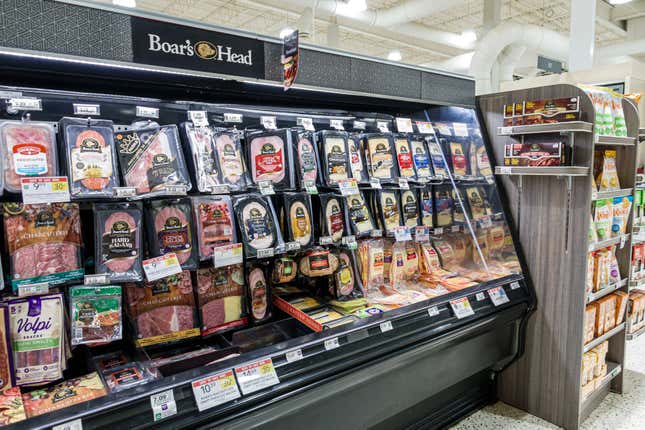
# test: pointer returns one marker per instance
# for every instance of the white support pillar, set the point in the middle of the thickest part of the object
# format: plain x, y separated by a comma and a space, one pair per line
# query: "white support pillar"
492, 15
582, 33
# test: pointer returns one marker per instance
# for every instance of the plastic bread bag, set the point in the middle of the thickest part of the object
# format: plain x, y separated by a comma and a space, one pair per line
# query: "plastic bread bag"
201, 156
443, 205
296, 219
356, 160
335, 158
306, 155
258, 292
214, 222
331, 220
221, 298
95, 314
258, 225
379, 153
389, 210
439, 165
151, 158
426, 207
621, 208
420, 158
608, 177
346, 280
409, 208
359, 216
28, 149
118, 243
404, 157
171, 230
229, 159
269, 157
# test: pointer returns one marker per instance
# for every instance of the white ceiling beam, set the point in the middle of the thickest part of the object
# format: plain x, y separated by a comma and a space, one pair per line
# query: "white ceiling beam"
604, 17
634, 9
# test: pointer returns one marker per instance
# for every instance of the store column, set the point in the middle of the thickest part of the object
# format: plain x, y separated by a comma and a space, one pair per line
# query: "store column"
582, 34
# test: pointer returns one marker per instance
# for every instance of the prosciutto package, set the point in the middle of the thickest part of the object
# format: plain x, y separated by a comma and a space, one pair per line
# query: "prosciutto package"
90, 156
215, 223
151, 158
28, 149
170, 229
269, 157
257, 222
44, 242
37, 327
162, 311
228, 153
118, 250
95, 314
220, 297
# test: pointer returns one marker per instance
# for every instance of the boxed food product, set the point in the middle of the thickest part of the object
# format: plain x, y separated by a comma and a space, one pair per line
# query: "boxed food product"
551, 110
335, 157
609, 302
621, 305
270, 158
95, 314
171, 229
258, 224
534, 154
590, 323
220, 298
215, 223
603, 218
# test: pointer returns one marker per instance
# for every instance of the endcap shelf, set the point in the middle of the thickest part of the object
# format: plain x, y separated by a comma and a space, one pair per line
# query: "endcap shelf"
542, 171
556, 127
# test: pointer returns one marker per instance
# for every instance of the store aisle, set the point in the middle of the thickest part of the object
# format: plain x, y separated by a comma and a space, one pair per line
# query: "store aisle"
616, 412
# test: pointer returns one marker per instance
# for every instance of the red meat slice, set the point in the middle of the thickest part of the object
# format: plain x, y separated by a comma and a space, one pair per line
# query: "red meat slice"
182, 251
120, 265
165, 320
213, 314
138, 176
26, 133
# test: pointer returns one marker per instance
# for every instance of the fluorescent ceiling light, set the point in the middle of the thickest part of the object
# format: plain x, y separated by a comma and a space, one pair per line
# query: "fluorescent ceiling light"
351, 8
468, 36
615, 2
394, 55
285, 32
125, 3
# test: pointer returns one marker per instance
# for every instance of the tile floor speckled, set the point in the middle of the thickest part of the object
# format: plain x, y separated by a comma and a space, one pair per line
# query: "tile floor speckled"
616, 412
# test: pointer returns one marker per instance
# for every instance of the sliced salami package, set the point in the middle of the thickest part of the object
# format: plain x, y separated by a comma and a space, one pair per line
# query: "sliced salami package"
296, 219
334, 156
306, 156
228, 154
170, 229
44, 242
119, 238
426, 207
221, 298
270, 158
409, 208
388, 206
215, 223
89, 156
28, 149
331, 222
404, 157
346, 281
357, 164
202, 160
360, 219
436, 156
259, 292
258, 225
151, 158
420, 158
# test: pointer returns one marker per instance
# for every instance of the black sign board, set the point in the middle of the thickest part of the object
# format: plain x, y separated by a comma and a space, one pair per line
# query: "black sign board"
171, 45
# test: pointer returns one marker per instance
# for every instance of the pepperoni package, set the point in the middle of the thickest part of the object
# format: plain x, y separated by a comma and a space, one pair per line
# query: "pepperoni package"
269, 157
215, 223
170, 229
90, 157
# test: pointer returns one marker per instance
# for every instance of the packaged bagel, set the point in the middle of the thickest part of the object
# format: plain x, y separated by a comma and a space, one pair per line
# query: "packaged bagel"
259, 292
270, 158
296, 218
258, 224
215, 223
171, 229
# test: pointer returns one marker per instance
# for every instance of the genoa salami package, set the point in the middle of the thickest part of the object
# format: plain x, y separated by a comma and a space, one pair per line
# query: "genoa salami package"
404, 157
95, 314
89, 156
151, 158
118, 250
259, 293
37, 329
28, 149
356, 161
162, 311
257, 222
170, 229
331, 219
409, 208
296, 218
334, 156
379, 151
420, 158
215, 223
228, 155
221, 298
360, 218
306, 156
270, 158
44, 242
202, 161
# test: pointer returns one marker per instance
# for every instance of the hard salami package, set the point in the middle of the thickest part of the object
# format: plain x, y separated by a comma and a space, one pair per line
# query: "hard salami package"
228, 154
259, 293
404, 157
360, 219
270, 158
7, 375
151, 158
89, 156
331, 217
334, 155
37, 328
44, 242
420, 158
170, 229
162, 311
28, 149
307, 156
221, 298
119, 238
357, 163
95, 314
258, 224
202, 160
379, 152
215, 223
296, 219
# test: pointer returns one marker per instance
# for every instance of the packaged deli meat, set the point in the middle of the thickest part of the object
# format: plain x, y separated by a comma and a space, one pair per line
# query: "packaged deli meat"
95, 314
404, 157
215, 223
334, 156
28, 149
331, 221
37, 327
346, 282
409, 208
284, 271
202, 160
126, 377
257, 222
118, 243
151, 158
7, 376
221, 298
170, 229
228, 156
356, 162
162, 311
269, 157
318, 262
44, 242
296, 218
259, 292
426, 207
420, 157
89, 156
306, 156
379, 153
360, 219
458, 215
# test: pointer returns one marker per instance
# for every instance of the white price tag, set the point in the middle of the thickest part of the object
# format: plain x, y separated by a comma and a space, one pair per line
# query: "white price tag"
444, 129
504, 170
46, 189
268, 122
215, 390
404, 125
461, 308
382, 126
376, 233
326, 240
337, 124
227, 255
306, 123
594, 195
349, 241
122, 192
233, 117
480, 296
425, 127
455, 228
461, 129
359, 125
33, 289
163, 405
256, 376
403, 184
310, 186
402, 233
623, 239
76, 424
292, 246
438, 230
220, 189
295, 355
332, 344
386, 326
161, 267
175, 190
89, 110
266, 188
98, 279
433, 311
515, 285
498, 296
348, 187
422, 234
504, 131
375, 183
198, 117
25, 103
147, 112
266, 253
486, 222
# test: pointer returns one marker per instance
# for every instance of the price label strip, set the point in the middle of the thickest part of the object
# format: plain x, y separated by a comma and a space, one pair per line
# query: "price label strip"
433, 311
227, 255
310, 186
292, 246
348, 187
498, 296
25, 103
404, 184
47, 189
295, 355
349, 241
76, 424
268, 122
515, 285
215, 390
422, 234
337, 124
161, 267
266, 253
147, 112
386, 326
98, 279
163, 405
33, 289
86, 109
480, 296
376, 233
382, 126
266, 188
425, 127
233, 117
124, 192
375, 183
332, 344
359, 125
461, 308
256, 376
326, 240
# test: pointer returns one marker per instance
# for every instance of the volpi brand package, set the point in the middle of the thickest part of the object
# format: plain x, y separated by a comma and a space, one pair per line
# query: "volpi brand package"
270, 158
221, 298
170, 225
608, 177
603, 218
621, 208
215, 223
379, 151
404, 157
335, 156
228, 156
296, 218
95, 314
257, 222
306, 155
356, 162
360, 219
258, 292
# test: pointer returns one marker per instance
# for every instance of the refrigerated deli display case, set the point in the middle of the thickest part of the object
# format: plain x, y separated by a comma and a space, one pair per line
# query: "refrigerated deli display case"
327, 249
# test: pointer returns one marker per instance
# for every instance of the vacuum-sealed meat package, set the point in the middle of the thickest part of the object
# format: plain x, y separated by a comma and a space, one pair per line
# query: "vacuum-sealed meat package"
257, 222
118, 250
202, 160
307, 156
334, 155
295, 218
151, 158
28, 149
228, 154
215, 223
95, 314
90, 157
259, 293
221, 298
44, 242
270, 158
346, 282
170, 229
331, 219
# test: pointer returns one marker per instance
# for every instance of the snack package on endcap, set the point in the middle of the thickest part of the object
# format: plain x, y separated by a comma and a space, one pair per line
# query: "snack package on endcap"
426, 207
361, 220
214, 221
151, 158
420, 158
306, 156
258, 224
118, 241
591, 270
162, 311
404, 157
614, 270
535, 153
170, 229
334, 156
387, 206
228, 155
202, 160
443, 206
356, 162
621, 208
436, 156
221, 298
346, 282
269, 157
593, 234
37, 331
331, 222
618, 115
409, 208
90, 157
95, 314
608, 177
28, 149
258, 292
372, 259
603, 218
44, 242
379, 152
296, 218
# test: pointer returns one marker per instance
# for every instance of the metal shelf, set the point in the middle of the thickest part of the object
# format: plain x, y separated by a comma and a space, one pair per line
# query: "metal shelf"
607, 290
599, 195
637, 333
613, 370
556, 127
542, 171
600, 339
637, 284
615, 140
608, 242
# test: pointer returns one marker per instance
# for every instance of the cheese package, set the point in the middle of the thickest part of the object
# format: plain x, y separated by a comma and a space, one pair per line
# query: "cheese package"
458, 159
270, 158
426, 207
379, 152
590, 323
404, 158
439, 165
420, 158
358, 166
479, 205
409, 208
331, 219
443, 207
296, 219
360, 219
334, 155
387, 205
